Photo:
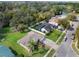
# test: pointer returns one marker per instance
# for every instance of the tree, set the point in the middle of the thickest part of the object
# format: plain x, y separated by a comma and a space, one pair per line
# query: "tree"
77, 36
21, 15
65, 23
71, 17
69, 8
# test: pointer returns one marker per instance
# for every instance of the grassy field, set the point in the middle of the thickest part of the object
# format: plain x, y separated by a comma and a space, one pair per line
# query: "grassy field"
10, 39
54, 35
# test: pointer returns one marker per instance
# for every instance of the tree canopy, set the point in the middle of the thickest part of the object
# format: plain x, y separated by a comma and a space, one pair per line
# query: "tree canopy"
24, 14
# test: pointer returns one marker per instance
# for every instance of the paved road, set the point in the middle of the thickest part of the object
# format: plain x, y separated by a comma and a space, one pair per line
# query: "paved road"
65, 49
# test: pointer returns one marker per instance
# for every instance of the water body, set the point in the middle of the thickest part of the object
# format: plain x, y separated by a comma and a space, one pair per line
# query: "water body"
5, 52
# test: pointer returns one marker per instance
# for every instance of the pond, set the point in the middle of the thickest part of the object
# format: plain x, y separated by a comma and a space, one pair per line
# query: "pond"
5, 52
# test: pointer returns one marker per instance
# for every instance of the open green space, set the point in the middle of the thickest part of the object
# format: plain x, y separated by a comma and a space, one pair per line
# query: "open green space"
54, 35
9, 35
10, 39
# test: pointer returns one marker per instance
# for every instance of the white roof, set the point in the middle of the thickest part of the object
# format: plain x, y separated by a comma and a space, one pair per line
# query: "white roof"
54, 23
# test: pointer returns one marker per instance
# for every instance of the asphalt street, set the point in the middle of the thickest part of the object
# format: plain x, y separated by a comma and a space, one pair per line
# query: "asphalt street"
65, 49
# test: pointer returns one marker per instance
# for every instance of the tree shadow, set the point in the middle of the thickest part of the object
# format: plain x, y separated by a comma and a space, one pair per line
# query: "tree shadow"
3, 32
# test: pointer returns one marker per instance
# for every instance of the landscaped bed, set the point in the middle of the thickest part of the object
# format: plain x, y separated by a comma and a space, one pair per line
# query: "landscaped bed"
54, 35
10, 39
37, 49
40, 53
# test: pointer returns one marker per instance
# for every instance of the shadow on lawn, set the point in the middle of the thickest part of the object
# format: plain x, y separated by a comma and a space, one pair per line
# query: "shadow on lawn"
3, 32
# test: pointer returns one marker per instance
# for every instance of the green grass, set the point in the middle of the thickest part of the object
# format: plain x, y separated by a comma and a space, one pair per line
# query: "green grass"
40, 53
10, 40
14, 36
51, 53
74, 48
54, 35
60, 40
16, 48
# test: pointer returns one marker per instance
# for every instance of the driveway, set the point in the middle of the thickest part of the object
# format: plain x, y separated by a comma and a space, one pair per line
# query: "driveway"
65, 49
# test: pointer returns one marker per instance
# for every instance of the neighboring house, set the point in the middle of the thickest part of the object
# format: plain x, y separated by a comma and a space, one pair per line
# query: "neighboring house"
60, 28
54, 22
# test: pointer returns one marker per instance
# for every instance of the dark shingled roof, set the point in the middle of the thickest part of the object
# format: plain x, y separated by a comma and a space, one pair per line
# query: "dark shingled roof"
45, 25
48, 27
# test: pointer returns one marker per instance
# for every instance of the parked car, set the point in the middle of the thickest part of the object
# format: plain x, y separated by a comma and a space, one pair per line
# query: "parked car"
72, 24
73, 38
73, 34
65, 39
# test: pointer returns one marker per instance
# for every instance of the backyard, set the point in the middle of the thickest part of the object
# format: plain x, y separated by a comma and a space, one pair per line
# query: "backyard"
9, 39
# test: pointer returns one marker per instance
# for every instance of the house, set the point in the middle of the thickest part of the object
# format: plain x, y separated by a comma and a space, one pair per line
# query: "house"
54, 22
60, 28
46, 29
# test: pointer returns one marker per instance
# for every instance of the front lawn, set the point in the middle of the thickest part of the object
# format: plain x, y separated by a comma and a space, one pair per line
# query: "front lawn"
54, 35
61, 39
9, 39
